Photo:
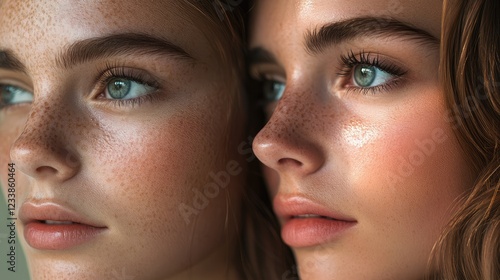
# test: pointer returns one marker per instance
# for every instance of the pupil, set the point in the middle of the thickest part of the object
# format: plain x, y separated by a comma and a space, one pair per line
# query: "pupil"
365, 75
119, 88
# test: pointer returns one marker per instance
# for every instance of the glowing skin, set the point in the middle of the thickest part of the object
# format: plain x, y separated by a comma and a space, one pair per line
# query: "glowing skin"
127, 166
378, 153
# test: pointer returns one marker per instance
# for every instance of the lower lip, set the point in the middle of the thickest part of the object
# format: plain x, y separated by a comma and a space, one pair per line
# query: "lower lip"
308, 232
58, 237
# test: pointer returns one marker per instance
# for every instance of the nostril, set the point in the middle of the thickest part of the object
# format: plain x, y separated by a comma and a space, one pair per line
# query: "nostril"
290, 161
46, 170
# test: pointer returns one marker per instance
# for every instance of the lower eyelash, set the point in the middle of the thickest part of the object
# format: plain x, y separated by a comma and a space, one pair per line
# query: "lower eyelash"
376, 89
134, 102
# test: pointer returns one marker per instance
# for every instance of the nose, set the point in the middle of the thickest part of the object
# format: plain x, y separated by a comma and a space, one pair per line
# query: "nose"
288, 142
42, 151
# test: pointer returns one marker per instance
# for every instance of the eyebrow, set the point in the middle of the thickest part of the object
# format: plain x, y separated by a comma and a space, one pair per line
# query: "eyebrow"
10, 62
118, 44
106, 46
335, 33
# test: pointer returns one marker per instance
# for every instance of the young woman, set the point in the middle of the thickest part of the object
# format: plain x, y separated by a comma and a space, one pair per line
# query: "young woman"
122, 125
363, 150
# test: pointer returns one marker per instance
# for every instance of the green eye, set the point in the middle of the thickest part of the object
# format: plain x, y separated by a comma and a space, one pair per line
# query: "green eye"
273, 90
12, 95
370, 76
122, 88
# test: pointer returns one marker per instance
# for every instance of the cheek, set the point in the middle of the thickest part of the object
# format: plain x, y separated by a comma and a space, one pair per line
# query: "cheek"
144, 172
406, 181
157, 166
411, 170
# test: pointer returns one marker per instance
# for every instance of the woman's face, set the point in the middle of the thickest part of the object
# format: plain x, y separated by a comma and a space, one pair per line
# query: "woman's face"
124, 144
360, 156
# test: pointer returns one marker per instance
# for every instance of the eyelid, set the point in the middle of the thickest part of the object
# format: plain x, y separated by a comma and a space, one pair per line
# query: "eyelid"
272, 77
258, 71
131, 73
17, 83
138, 75
352, 59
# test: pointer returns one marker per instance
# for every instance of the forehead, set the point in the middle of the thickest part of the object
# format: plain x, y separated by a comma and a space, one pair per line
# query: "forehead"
46, 25
289, 20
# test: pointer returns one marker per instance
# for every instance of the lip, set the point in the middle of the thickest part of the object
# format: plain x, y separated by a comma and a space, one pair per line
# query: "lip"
43, 236
306, 223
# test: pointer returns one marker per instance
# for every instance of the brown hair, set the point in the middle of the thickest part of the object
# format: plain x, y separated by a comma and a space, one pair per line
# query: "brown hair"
469, 247
260, 254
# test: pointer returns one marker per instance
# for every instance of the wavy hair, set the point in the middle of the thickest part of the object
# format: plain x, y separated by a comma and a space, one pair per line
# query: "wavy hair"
469, 247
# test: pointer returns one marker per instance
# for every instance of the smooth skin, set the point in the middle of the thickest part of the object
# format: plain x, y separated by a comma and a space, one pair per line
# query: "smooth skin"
125, 163
379, 151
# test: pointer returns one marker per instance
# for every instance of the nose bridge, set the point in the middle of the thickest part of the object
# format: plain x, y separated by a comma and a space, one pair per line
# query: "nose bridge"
44, 120
295, 115
289, 141
42, 149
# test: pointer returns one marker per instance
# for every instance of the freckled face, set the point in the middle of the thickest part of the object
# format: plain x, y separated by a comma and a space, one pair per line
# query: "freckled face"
126, 140
357, 130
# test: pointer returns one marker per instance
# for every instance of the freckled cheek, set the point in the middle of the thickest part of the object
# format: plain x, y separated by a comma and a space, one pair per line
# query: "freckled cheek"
146, 173
140, 170
153, 168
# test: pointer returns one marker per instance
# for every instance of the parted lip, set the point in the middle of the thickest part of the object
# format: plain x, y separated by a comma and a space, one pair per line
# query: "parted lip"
38, 212
297, 206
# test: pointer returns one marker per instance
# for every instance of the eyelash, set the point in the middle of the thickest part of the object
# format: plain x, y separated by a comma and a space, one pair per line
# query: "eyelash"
118, 71
351, 60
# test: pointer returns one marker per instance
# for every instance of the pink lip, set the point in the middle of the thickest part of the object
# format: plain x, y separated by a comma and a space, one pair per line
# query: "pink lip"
40, 235
317, 225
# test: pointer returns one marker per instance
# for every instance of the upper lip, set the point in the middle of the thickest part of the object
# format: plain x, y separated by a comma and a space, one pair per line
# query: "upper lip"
288, 207
36, 212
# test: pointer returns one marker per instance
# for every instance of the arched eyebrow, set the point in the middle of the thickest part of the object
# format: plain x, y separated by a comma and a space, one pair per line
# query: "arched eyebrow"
118, 44
316, 41
335, 33
102, 47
